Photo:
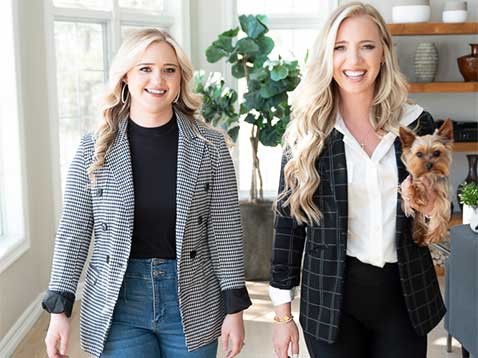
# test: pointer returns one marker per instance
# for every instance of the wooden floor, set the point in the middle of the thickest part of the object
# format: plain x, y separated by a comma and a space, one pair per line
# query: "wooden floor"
257, 319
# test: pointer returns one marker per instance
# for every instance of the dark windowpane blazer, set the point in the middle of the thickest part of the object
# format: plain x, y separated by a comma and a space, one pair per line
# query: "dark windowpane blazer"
324, 249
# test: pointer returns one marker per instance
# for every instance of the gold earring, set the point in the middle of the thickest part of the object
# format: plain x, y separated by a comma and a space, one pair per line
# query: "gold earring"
123, 97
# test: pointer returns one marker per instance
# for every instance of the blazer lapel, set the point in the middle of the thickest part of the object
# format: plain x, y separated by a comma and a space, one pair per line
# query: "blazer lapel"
190, 154
338, 181
402, 174
118, 160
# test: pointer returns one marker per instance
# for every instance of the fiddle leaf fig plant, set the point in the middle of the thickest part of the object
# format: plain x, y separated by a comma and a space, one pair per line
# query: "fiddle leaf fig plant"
219, 102
265, 103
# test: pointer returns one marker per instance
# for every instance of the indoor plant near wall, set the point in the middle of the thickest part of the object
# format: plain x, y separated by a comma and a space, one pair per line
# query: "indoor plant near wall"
265, 103
219, 102
469, 199
265, 106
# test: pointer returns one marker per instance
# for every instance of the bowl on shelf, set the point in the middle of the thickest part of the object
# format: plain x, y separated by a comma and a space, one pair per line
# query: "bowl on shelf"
455, 11
411, 13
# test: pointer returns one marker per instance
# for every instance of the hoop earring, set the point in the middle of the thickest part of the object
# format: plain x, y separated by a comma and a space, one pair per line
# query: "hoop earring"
123, 97
177, 97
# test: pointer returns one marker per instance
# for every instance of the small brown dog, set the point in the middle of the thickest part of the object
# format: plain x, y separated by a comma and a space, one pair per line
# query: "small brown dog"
428, 156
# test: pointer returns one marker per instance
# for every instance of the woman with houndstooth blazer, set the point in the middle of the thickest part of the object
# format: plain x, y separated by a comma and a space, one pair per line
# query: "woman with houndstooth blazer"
368, 290
156, 186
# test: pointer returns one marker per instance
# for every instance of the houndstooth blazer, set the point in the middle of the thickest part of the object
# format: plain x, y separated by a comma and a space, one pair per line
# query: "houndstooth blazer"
325, 250
208, 233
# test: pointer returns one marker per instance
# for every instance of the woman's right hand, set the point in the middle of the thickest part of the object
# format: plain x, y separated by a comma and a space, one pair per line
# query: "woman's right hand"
283, 336
58, 335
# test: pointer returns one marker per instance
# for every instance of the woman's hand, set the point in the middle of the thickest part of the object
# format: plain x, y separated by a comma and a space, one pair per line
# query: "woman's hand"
418, 194
285, 335
233, 330
57, 337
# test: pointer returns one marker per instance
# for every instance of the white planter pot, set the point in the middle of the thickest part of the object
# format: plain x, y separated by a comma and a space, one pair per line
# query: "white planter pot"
469, 212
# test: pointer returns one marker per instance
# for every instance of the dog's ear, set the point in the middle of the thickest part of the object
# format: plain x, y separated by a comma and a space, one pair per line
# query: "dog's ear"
407, 137
446, 130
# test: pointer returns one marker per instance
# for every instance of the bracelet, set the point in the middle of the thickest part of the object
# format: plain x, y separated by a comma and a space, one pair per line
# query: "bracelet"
284, 319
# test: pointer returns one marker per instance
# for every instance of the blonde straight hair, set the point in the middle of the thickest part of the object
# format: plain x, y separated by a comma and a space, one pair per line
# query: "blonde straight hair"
114, 110
314, 107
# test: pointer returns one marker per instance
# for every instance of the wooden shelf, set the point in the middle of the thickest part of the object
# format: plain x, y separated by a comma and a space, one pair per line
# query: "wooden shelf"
433, 28
455, 220
433, 87
465, 147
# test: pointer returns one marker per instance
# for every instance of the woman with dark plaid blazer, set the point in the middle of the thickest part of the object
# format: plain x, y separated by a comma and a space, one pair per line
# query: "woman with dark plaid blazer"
368, 290
156, 186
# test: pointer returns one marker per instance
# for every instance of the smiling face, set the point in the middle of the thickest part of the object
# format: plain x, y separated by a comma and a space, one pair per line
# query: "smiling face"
154, 82
358, 54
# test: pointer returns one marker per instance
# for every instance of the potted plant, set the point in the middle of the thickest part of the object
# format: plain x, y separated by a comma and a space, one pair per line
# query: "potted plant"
265, 102
265, 106
469, 199
219, 102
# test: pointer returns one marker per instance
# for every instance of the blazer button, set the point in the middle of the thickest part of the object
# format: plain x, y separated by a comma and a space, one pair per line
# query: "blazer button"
99, 192
200, 220
104, 227
193, 254
206, 187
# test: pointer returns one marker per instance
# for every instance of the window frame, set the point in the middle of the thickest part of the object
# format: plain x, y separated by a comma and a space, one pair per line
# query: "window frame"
275, 22
14, 241
176, 22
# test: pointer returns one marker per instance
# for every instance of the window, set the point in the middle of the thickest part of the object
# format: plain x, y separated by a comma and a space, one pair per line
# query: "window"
293, 25
13, 242
85, 36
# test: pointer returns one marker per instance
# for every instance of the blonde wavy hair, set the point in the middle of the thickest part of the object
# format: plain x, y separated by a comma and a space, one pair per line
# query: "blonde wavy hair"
314, 107
114, 111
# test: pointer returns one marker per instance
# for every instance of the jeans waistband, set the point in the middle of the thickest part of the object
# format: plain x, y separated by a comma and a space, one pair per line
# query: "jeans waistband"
145, 266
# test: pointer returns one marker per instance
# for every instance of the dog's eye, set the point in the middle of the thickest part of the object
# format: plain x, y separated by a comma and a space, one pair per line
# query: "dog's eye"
419, 154
436, 153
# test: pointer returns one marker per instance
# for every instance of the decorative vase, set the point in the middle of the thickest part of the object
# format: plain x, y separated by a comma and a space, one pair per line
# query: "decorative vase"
468, 64
472, 176
426, 62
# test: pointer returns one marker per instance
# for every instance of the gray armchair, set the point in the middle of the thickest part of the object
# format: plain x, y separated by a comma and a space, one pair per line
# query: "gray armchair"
461, 288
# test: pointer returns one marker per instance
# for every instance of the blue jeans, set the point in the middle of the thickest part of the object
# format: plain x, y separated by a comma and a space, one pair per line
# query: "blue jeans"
146, 320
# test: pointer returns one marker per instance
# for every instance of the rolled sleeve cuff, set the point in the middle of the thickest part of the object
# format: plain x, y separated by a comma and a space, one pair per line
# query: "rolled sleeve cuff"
58, 302
280, 296
236, 300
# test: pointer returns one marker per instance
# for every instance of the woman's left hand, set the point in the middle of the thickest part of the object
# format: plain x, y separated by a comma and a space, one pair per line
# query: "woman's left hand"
408, 189
233, 330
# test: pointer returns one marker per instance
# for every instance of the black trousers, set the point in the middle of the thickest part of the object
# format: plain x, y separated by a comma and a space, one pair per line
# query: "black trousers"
374, 321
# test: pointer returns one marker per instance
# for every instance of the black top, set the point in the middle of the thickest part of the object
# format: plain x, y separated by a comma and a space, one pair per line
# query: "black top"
154, 156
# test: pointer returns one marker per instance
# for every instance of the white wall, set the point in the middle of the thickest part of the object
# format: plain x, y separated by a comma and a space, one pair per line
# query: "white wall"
23, 281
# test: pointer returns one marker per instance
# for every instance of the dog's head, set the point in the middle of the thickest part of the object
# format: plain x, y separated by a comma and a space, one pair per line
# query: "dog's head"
428, 154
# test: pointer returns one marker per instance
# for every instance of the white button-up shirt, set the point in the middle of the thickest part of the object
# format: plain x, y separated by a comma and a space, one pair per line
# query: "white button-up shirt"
372, 199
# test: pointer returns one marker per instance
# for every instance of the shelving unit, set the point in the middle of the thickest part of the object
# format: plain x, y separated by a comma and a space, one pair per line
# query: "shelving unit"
436, 87
455, 219
432, 29
465, 147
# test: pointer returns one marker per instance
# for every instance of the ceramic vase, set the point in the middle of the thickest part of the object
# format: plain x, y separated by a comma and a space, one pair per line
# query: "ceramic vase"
426, 62
468, 64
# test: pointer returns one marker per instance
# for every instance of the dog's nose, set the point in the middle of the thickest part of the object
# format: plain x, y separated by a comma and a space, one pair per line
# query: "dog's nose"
428, 165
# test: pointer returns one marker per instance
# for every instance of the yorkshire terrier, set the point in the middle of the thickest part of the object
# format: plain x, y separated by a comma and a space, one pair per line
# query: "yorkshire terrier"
428, 156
